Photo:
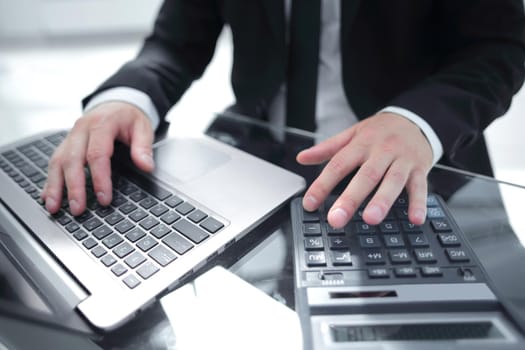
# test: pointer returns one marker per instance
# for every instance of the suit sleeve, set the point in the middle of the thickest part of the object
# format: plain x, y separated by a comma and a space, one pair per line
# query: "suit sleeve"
482, 67
176, 53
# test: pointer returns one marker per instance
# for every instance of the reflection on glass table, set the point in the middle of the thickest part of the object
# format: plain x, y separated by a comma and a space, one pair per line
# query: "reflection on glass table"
264, 258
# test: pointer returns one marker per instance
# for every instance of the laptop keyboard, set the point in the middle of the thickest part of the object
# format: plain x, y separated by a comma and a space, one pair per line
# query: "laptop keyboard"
145, 228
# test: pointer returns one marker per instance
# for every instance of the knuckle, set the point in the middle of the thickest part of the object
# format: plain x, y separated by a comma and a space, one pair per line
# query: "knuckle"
337, 167
397, 177
371, 174
94, 154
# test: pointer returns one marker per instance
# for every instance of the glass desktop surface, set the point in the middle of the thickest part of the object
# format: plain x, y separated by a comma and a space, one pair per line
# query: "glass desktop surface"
479, 204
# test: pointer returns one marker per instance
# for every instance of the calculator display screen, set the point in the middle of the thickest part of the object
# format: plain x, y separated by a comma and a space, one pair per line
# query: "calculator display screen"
415, 332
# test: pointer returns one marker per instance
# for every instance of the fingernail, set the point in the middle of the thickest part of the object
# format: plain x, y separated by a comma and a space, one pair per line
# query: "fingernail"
419, 215
101, 197
338, 217
50, 204
375, 213
310, 203
75, 207
148, 159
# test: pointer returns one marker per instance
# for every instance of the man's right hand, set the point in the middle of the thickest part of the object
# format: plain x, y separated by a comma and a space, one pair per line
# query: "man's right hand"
91, 142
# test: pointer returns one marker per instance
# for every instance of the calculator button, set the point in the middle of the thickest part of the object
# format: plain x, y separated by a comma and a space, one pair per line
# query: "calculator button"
373, 257
441, 225
457, 255
314, 243
388, 227
425, 256
378, 272
435, 212
311, 216
402, 213
405, 272
401, 201
341, 258
418, 240
399, 256
431, 271
364, 228
448, 239
338, 243
369, 242
312, 229
432, 201
335, 231
315, 258
394, 241
409, 227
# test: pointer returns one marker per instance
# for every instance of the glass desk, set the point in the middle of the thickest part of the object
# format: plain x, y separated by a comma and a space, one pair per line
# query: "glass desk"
263, 258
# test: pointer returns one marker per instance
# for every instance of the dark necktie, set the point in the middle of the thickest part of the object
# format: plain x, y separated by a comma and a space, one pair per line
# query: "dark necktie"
303, 61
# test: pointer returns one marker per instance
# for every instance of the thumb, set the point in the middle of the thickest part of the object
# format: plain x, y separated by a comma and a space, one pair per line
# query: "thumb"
141, 144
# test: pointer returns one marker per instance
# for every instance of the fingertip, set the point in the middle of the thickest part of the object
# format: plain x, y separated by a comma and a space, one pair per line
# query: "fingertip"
417, 216
103, 198
310, 203
373, 215
51, 205
338, 217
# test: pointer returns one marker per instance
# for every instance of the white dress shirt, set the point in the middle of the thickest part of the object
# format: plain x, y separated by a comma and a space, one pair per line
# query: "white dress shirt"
333, 112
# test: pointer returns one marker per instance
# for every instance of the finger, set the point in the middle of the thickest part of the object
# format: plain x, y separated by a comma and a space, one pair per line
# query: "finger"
341, 164
53, 190
325, 150
141, 145
98, 155
417, 189
362, 184
391, 187
73, 171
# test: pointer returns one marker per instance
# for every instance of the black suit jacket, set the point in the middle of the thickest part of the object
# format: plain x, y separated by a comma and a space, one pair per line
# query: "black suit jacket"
455, 63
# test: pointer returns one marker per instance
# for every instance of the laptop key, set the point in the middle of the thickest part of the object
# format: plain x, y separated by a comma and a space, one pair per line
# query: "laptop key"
131, 281
80, 235
147, 270
138, 215
192, 232
146, 243
119, 270
108, 260
123, 250
211, 225
173, 201
177, 243
98, 251
185, 208
149, 223
102, 232
89, 243
135, 234
134, 260
162, 255
112, 240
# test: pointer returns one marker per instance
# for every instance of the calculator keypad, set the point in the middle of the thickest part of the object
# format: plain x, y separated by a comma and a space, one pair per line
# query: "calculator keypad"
394, 249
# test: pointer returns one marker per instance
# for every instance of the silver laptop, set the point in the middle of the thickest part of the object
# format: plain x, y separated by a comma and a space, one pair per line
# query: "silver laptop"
111, 262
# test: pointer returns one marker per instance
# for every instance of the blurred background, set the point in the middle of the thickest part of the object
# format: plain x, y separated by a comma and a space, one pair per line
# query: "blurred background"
54, 52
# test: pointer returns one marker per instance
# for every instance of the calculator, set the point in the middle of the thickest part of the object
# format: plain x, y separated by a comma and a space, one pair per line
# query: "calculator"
392, 285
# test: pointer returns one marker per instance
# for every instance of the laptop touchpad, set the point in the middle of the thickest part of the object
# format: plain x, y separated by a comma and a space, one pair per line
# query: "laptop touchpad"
187, 159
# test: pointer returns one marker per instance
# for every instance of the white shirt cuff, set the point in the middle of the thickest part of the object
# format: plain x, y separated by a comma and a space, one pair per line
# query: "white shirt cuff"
435, 143
128, 95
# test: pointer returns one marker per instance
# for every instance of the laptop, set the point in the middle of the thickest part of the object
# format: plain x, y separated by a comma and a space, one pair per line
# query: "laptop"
97, 270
